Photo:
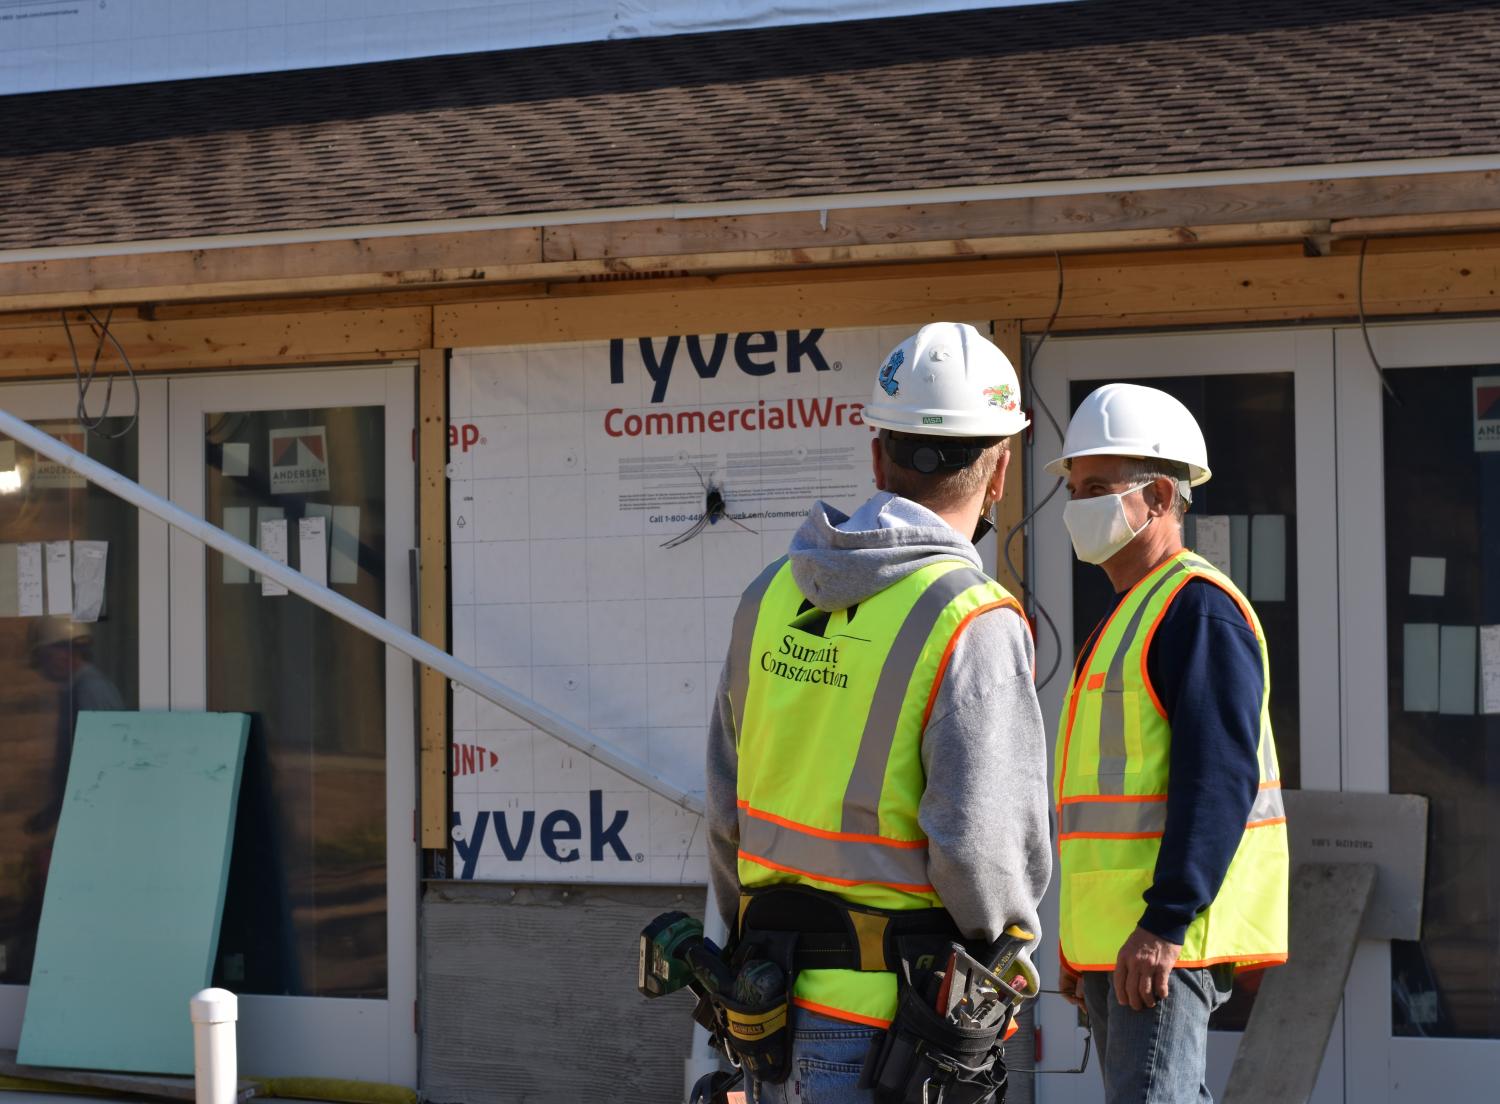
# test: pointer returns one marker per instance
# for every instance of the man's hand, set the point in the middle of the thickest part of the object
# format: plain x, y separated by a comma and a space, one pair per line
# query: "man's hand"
1070, 985
1143, 969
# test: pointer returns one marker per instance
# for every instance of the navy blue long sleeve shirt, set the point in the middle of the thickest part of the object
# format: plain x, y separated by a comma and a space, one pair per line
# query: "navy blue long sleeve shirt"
1205, 664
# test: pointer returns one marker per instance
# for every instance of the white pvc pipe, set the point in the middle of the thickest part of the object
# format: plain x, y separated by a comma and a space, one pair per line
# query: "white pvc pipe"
351, 612
215, 1064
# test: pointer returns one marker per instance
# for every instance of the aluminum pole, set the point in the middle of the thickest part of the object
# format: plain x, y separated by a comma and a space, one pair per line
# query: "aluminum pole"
349, 611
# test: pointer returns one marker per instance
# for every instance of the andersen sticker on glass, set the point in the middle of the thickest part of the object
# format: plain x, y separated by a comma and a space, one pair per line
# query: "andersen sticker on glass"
1487, 414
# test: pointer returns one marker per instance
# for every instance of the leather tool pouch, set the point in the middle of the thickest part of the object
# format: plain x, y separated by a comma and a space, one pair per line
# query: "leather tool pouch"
924, 1059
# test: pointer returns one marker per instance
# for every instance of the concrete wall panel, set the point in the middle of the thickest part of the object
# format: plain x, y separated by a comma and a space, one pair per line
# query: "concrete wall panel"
528, 995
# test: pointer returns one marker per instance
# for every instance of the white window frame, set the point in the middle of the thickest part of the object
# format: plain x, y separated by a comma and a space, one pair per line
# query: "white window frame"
370, 1040
1383, 1069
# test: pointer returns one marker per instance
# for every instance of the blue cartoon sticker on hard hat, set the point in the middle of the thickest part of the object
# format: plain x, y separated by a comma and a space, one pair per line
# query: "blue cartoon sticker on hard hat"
888, 374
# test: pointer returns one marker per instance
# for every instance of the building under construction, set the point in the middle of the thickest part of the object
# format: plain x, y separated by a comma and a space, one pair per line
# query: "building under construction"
475, 338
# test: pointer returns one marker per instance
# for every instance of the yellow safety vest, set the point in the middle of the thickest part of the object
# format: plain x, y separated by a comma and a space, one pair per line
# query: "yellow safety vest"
829, 710
1110, 786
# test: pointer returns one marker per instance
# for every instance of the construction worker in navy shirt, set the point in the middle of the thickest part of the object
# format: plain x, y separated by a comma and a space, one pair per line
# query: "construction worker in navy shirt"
1171, 835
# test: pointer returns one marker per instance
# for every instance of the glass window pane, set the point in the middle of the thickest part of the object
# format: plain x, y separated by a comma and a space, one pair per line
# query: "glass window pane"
52, 667
1244, 518
305, 913
1442, 517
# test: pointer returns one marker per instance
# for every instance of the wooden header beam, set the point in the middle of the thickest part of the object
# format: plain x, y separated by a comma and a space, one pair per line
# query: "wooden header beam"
1117, 292
1199, 287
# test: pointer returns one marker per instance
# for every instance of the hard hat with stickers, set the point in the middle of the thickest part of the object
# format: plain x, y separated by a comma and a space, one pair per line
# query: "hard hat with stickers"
947, 380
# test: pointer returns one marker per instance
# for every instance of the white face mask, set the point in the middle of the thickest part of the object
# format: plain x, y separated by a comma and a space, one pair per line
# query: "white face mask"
1099, 527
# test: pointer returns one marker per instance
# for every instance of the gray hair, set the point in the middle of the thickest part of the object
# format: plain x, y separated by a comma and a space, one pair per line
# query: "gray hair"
1137, 469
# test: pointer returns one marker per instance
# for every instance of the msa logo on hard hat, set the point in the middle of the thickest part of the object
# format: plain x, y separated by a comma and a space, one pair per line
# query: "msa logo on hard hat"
756, 354
888, 382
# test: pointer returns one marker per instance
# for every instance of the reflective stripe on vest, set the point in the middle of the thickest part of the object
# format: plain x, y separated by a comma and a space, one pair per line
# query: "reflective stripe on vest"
828, 711
1146, 817
1110, 787
837, 857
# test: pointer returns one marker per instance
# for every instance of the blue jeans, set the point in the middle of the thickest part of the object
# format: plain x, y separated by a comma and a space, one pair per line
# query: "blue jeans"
1156, 1055
827, 1056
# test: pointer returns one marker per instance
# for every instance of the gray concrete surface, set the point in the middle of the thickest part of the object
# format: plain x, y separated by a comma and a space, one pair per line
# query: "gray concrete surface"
528, 995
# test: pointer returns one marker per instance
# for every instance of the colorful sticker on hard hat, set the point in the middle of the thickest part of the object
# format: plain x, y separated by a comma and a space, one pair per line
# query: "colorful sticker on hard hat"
1003, 396
888, 374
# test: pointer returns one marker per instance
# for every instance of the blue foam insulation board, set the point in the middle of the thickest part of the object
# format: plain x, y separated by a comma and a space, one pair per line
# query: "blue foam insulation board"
135, 892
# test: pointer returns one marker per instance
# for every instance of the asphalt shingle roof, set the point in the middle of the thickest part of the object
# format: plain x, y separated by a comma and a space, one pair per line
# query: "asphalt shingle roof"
1095, 89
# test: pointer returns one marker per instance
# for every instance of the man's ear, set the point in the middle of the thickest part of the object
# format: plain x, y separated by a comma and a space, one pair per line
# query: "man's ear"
877, 462
995, 491
1163, 491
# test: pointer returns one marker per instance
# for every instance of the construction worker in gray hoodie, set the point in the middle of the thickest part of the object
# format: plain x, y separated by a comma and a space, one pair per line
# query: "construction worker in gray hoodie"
877, 741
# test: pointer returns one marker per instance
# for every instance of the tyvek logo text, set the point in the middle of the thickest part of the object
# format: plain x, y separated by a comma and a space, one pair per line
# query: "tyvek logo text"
758, 353
560, 835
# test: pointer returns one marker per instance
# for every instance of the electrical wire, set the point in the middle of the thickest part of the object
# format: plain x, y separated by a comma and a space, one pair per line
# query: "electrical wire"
1028, 362
1028, 366
1364, 327
93, 425
1088, 1041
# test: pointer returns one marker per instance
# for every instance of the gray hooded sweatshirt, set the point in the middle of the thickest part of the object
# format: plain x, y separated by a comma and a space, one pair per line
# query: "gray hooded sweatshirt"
989, 854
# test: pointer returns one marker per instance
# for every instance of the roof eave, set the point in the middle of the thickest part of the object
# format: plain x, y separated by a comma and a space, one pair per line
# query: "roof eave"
773, 205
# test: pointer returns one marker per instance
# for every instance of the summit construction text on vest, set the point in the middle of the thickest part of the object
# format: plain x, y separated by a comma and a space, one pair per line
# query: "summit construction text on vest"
818, 666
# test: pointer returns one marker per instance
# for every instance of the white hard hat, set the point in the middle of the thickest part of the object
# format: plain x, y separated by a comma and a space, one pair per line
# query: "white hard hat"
1126, 419
947, 380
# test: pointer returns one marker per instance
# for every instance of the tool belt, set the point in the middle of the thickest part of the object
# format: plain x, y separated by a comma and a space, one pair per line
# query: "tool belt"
920, 1059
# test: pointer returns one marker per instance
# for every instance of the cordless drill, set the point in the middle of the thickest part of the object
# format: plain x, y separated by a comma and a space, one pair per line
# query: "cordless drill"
664, 945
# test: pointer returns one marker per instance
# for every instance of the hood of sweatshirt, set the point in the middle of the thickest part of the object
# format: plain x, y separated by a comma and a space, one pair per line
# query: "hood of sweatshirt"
839, 560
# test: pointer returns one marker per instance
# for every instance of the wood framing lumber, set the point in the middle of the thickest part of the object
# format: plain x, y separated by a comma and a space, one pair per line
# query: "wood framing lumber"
152, 274
432, 463
370, 300
1012, 505
636, 248
148, 1086
1206, 285
1416, 224
1426, 193
1253, 286
228, 342
1282, 1051
296, 267
1342, 312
